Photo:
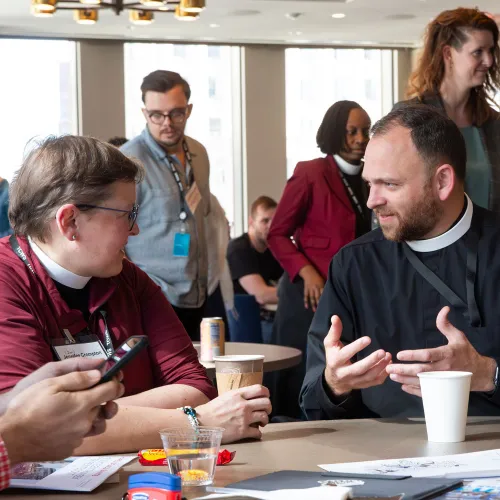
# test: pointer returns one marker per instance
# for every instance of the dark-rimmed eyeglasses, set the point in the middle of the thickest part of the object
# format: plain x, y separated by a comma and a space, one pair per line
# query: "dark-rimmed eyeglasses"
177, 116
132, 214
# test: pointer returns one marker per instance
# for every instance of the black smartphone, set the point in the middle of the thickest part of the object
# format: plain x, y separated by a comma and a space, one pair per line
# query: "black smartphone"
122, 355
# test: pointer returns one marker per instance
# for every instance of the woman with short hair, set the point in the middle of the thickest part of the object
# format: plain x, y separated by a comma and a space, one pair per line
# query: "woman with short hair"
459, 72
323, 207
64, 281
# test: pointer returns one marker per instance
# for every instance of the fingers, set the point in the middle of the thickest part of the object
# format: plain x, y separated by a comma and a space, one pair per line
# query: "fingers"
410, 389
259, 417
260, 404
334, 333
109, 410
253, 391
76, 381
103, 393
424, 355
446, 328
350, 350
98, 425
401, 379
74, 365
410, 370
378, 359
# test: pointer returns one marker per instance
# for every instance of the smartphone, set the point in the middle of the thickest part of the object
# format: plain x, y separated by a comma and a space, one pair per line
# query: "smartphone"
122, 355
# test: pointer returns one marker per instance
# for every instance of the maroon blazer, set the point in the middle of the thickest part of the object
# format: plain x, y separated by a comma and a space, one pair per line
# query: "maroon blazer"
315, 209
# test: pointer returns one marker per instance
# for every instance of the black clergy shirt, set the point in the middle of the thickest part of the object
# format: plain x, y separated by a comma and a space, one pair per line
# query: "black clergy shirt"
375, 291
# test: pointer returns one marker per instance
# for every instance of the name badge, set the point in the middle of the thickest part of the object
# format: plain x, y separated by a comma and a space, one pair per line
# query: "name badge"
193, 197
182, 242
88, 346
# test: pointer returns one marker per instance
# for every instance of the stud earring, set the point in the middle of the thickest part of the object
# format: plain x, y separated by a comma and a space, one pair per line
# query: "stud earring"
74, 237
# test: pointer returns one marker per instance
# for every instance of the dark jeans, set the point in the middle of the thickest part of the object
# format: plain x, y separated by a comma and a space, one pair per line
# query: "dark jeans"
291, 324
191, 319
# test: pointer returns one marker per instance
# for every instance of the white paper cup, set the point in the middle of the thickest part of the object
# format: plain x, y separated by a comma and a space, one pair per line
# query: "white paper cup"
446, 400
236, 371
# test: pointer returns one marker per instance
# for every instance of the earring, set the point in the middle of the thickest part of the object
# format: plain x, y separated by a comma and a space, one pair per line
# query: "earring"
74, 237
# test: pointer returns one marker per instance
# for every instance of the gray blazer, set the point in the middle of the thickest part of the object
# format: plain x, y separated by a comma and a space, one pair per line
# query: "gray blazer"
490, 133
183, 280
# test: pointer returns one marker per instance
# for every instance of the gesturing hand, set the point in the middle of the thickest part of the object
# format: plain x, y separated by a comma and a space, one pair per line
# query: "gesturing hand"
341, 375
457, 355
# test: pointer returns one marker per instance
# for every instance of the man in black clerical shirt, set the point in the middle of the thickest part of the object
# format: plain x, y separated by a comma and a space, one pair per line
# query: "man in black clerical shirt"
381, 319
254, 270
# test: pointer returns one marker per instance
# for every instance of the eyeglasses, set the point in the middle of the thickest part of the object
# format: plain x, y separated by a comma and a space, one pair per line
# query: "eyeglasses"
177, 116
132, 214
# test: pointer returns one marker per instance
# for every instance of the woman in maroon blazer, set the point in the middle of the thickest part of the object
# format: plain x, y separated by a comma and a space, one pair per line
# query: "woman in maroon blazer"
323, 207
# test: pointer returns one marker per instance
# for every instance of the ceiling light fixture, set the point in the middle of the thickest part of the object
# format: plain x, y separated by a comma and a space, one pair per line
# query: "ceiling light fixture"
338, 15
152, 3
192, 6
141, 17
41, 13
86, 16
44, 5
140, 11
182, 15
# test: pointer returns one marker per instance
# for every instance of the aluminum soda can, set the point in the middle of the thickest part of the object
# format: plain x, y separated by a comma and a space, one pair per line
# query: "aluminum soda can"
213, 336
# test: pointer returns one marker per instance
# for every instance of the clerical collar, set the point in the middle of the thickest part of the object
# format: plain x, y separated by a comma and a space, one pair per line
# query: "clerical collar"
346, 167
446, 239
57, 272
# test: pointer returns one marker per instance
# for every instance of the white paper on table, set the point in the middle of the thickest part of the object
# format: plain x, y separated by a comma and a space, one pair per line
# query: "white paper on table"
317, 493
74, 474
465, 465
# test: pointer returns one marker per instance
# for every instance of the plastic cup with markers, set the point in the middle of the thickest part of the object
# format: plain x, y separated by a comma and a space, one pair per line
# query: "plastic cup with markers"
192, 453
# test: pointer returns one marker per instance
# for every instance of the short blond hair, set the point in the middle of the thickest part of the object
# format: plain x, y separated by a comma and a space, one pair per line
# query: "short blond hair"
66, 169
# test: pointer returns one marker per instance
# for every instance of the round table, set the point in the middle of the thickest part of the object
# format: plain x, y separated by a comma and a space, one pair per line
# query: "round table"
276, 357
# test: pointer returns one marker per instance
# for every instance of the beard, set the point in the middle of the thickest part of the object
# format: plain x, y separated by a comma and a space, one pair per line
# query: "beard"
420, 220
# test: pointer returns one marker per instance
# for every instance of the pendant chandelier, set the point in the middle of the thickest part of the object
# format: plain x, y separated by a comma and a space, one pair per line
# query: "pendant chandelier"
140, 12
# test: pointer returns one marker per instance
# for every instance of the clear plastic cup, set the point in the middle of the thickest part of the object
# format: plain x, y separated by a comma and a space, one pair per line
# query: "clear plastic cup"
192, 454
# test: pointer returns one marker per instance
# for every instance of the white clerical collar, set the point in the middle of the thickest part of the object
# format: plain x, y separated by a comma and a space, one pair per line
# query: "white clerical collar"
346, 167
448, 238
57, 272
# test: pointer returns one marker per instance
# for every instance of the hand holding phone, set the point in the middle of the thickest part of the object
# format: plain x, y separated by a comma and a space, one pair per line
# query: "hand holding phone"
122, 355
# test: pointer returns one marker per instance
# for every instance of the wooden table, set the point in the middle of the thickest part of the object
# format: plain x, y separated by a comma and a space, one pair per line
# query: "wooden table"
276, 357
303, 445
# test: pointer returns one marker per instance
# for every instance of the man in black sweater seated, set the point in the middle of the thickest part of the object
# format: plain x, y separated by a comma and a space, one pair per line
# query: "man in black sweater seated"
381, 319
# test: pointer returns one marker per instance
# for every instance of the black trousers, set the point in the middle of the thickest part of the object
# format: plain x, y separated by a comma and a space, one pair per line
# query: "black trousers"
291, 324
214, 308
191, 319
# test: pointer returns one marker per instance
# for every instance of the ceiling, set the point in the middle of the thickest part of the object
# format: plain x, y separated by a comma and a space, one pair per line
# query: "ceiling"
366, 22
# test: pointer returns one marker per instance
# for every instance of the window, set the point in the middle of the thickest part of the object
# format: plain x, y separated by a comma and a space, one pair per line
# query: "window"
212, 87
317, 78
34, 108
215, 127
209, 71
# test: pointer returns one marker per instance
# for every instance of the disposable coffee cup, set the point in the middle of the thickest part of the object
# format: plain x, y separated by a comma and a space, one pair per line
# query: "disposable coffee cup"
446, 400
234, 372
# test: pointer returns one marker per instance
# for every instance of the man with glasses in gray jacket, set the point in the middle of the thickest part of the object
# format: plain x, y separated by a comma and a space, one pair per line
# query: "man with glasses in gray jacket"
174, 199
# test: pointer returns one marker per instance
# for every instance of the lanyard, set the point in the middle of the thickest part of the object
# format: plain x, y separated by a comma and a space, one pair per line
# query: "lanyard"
469, 309
108, 342
177, 177
350, 191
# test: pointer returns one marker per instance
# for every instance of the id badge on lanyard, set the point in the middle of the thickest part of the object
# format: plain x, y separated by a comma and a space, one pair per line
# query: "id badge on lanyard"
87, 346
182, 239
